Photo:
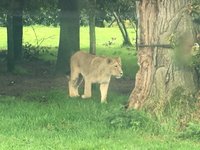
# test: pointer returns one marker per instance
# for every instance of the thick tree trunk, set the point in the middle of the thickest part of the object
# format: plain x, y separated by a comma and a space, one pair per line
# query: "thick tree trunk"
15, 33
159, 75
69, 34
92, 26
18, 33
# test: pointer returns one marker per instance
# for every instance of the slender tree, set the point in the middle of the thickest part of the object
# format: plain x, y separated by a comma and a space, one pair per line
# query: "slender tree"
69, 34
123, 30
165, 39
121, 10
92, 9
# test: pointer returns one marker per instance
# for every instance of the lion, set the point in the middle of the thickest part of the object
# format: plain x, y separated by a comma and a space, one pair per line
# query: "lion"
94, 69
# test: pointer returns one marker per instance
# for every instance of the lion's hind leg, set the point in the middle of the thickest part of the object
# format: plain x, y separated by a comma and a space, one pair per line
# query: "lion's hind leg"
87, 89
73, 84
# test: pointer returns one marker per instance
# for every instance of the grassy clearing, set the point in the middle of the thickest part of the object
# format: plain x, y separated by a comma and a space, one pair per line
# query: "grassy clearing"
43, 121
51, 120
49, 37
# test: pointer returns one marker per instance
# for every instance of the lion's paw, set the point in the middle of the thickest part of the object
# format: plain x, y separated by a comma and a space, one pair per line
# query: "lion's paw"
76, 95
84, 96
104, 102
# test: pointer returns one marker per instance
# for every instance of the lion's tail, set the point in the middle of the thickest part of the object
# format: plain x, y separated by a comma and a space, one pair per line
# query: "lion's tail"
79, 81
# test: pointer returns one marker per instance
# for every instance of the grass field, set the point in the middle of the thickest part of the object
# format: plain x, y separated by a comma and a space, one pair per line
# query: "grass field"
49, 37
53, 121
50, 120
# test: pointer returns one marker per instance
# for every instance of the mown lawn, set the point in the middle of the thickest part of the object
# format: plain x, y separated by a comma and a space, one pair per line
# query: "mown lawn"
53, 121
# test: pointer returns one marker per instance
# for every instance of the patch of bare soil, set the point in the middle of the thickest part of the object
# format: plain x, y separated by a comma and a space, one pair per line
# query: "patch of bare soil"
40, 76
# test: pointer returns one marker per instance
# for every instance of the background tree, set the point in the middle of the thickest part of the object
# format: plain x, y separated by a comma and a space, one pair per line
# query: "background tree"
14, 32
120, 10
69, 34
92, 12
42, 12
14, 9
163, 69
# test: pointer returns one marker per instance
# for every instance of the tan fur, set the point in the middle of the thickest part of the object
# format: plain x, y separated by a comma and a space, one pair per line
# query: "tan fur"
94, 69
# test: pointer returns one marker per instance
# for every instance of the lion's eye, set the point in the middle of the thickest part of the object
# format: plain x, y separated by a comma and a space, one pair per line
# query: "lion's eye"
116, 66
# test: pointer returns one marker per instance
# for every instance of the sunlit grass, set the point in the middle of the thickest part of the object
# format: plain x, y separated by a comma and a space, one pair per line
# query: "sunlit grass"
49, 37
52, 120
3, 38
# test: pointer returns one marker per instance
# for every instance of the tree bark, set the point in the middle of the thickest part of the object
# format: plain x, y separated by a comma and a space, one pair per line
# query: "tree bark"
92, 4
69, 41
10, 41
159, 74
15, 33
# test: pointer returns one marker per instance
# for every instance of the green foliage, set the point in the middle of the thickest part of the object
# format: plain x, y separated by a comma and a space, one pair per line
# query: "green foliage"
195, 62
47, 17
133, 119
31, 52
179, 110
192, 131
194, 11
35, 12
180, 101
84, 19
3, 19
125, 8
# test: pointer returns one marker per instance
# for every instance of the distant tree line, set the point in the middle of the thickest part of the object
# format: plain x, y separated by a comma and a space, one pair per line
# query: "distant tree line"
69, 15
49, 15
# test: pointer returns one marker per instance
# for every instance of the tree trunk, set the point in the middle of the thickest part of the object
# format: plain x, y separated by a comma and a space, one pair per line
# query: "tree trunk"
160, 74
69, 41
123, 30
92, 26
15, 34
10, 41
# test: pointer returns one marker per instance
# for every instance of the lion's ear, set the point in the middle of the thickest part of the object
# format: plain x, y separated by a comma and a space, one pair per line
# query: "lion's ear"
118, 60
109, 60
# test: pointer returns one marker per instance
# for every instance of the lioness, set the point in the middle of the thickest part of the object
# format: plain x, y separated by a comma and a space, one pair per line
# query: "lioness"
94, 69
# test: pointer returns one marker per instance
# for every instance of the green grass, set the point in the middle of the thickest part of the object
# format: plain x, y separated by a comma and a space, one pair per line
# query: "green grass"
49, 37
3, 39
51, 120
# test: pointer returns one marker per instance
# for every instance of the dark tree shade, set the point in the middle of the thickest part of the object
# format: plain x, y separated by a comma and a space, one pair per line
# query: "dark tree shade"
69, 34
15, 33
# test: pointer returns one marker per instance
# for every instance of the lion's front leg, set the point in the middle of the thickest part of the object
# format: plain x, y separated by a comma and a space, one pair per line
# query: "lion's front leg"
73, 89
87, 89
73, 84
104, 90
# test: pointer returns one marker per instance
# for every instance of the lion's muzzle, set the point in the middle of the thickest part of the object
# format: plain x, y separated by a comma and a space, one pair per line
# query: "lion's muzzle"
120, 75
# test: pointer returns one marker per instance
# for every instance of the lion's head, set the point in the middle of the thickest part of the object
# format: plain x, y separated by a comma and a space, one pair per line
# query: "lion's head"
115, 67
